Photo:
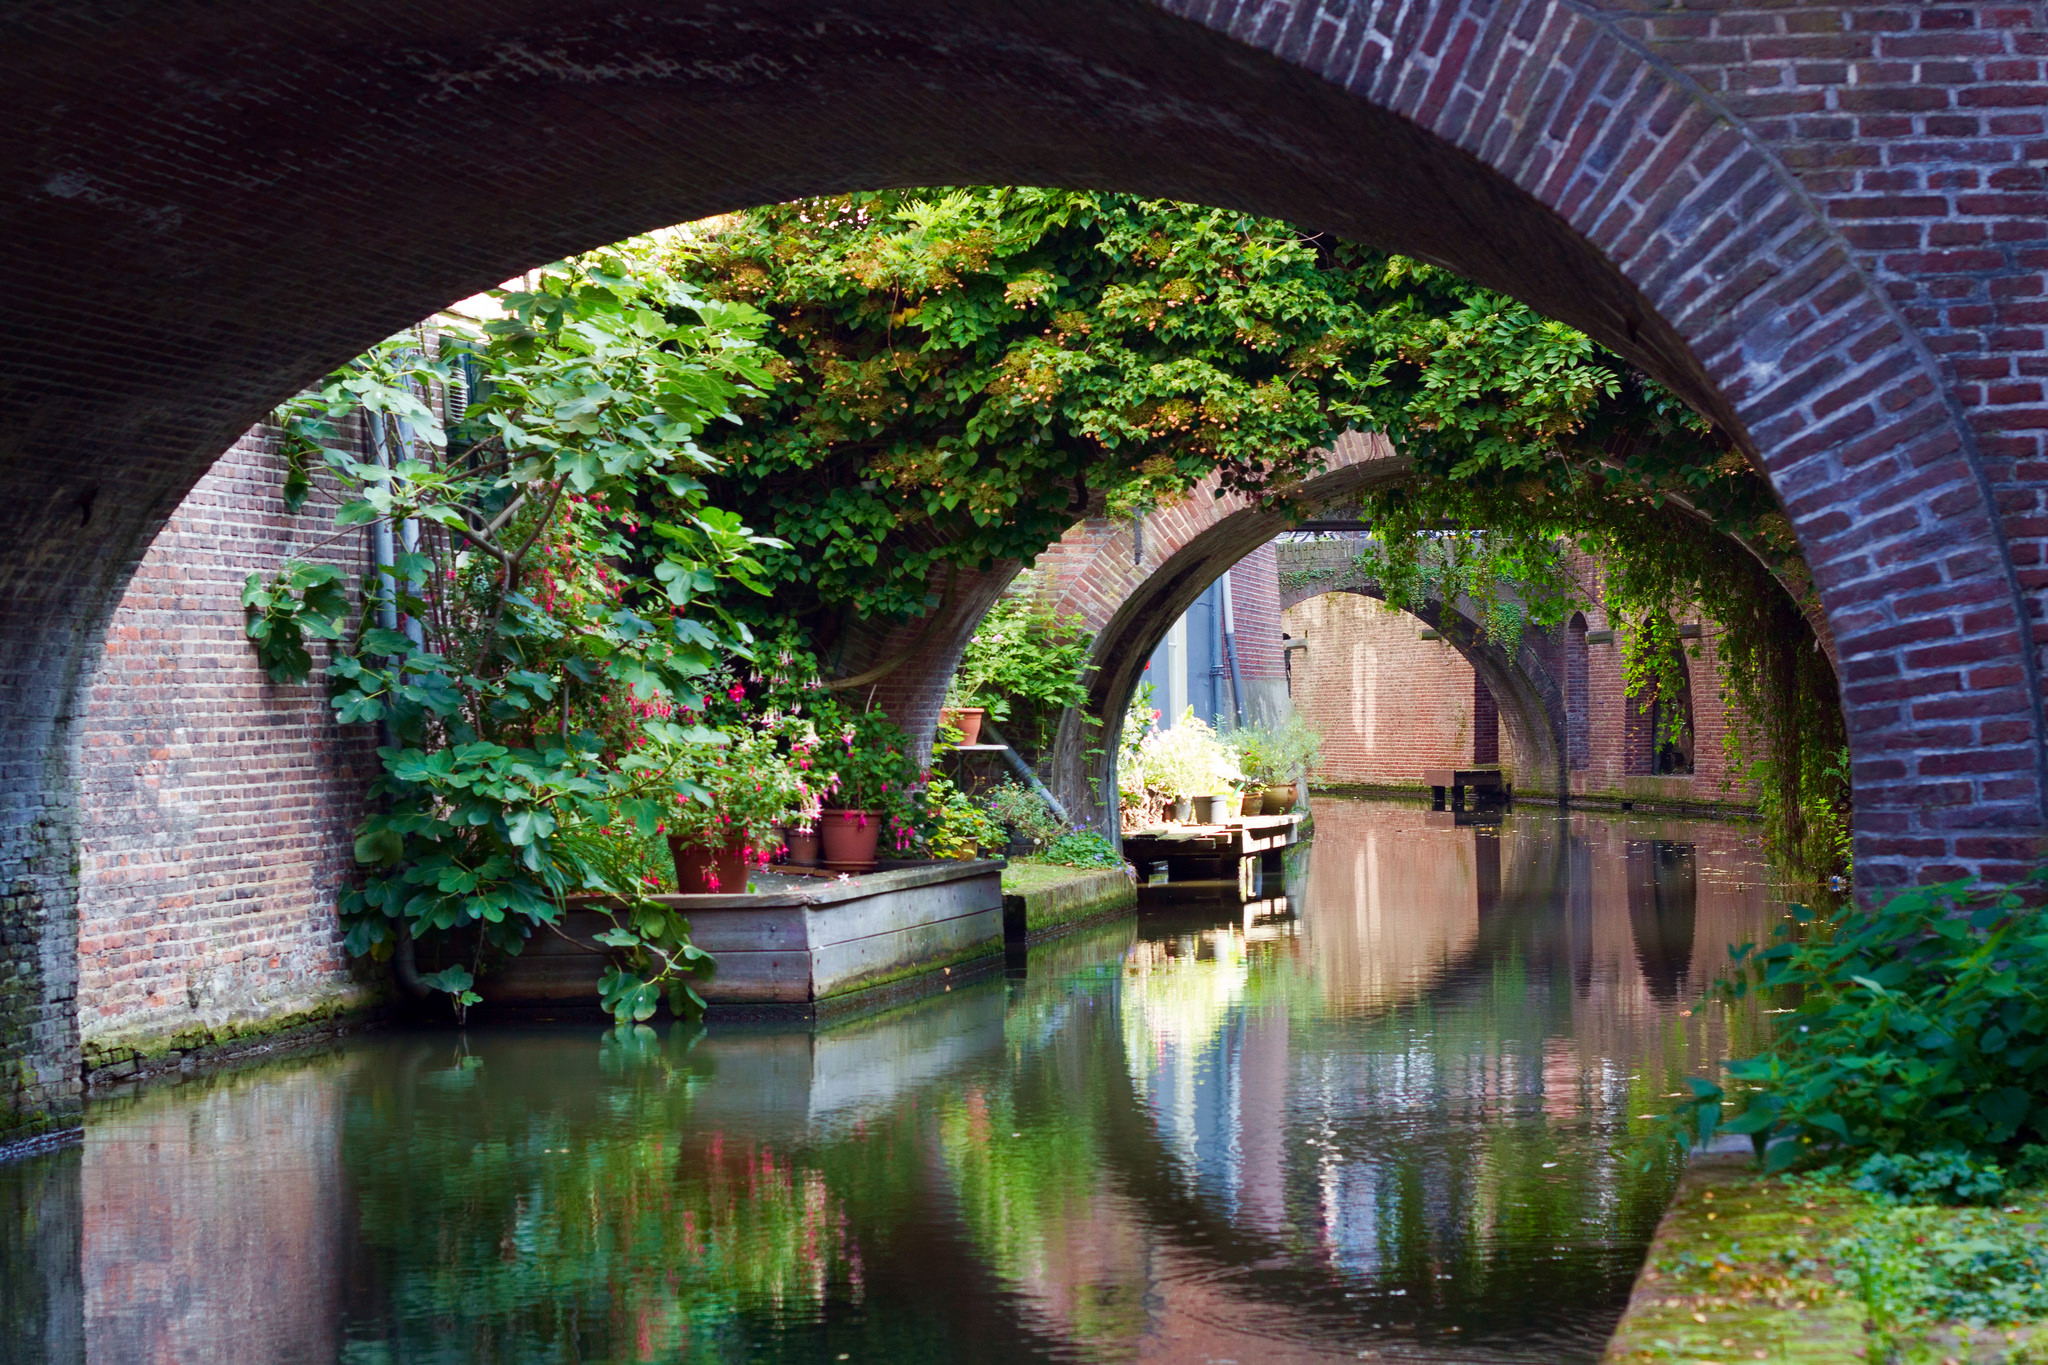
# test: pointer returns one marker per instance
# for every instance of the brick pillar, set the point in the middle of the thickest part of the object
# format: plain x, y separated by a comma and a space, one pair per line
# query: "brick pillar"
1485, 723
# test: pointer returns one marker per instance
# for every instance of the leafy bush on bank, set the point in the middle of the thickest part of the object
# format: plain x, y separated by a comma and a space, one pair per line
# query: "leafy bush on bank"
1918, 1027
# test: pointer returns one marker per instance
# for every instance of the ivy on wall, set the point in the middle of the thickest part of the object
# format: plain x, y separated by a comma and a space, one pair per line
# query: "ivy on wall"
961, 374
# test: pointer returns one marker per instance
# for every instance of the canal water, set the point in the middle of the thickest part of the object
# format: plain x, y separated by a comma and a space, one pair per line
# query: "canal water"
1392, 1122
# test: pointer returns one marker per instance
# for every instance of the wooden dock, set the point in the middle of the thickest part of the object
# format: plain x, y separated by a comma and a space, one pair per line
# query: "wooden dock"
1240, 838
1232, 854
795, 940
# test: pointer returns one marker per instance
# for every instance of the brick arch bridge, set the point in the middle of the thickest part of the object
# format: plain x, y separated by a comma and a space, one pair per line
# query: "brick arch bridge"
1128, 585
1527, 681
1819, 221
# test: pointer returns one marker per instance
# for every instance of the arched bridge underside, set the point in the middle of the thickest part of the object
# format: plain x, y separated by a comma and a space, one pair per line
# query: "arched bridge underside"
1524, 680
207, 205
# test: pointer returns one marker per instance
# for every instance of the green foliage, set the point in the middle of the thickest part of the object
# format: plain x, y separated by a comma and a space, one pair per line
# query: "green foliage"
959, 827
1919, 1026
1917, 1267
966, 372
871, 756
524, 654
1273, 754
1081, 848
1025, 662
1947, 1177
1187, 759
1023, 811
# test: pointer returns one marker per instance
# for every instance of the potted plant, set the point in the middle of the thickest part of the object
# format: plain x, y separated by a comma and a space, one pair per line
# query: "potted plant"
1277, 755
966, 706
1249, 743
731, 800
876, 779
1185, 763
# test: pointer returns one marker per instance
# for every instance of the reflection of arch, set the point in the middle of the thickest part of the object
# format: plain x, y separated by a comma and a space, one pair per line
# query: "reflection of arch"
1537, 149
1663, 901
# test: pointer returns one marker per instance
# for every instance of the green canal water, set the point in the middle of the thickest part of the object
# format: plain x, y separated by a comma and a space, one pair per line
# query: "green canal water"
1386, 1118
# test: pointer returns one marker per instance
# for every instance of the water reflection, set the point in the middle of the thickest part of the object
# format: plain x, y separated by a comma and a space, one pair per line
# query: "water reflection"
1389, 1125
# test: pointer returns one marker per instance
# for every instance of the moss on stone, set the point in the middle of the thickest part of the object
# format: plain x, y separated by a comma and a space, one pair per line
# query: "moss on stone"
1039, 898
122, 1056
1741, 1269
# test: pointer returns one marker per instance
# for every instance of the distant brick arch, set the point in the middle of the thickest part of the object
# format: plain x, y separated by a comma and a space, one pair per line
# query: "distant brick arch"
208, 206
1527, 681
1128, 585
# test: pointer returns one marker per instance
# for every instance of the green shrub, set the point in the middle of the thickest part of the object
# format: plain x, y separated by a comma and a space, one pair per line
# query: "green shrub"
1917, 1268
1272, 754
1023, 811
1944, 1177
960, 829
1082, 848
1921, 1026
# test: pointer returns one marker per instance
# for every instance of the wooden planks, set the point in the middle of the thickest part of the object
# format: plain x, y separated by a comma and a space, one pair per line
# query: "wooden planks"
796, 943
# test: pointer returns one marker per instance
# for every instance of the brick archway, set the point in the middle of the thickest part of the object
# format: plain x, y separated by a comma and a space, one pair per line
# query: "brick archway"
1527, 682
209, 205
1128, 590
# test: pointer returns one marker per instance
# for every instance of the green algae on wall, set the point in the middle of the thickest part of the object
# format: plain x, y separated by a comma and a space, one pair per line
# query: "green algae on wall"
129, 1056
1041, 898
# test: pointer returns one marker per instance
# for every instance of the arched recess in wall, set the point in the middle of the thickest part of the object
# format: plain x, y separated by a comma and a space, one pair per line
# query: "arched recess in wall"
281, 183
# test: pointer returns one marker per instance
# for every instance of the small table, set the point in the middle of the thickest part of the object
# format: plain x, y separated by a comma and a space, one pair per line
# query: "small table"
1484, 782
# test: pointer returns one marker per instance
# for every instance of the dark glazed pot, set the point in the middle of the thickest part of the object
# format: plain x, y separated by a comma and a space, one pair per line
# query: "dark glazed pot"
1279, 799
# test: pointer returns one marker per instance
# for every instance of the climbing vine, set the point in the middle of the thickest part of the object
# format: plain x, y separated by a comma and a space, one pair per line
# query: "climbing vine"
961, 374
530, 647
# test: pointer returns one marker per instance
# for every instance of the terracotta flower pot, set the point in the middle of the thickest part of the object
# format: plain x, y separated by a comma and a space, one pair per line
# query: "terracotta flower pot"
702, 871
803, 847
1254, 801
1279, 799
965, 719
849, 838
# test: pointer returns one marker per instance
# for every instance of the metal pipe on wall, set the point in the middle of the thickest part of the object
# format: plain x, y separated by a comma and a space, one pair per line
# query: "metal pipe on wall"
1230, 651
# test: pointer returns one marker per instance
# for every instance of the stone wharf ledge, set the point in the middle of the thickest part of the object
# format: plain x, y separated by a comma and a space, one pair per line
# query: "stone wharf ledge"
1043, 898
797, 941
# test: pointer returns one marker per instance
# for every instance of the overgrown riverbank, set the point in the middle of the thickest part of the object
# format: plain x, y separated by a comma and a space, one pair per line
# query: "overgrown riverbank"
1752, 1267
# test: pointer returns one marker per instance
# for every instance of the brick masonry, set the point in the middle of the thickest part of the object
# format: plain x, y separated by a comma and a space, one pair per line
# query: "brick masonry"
1390, 704
218, 807
1823, 222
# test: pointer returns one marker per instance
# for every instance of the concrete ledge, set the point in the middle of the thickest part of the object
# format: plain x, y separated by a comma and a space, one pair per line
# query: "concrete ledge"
1042, 898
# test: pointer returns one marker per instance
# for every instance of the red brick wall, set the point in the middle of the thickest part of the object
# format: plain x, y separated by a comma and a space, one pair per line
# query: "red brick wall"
1389, 703
1255, 598
217, 806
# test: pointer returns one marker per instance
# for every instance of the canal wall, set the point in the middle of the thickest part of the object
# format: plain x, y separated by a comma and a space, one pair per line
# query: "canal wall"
218, 807
1391, 703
